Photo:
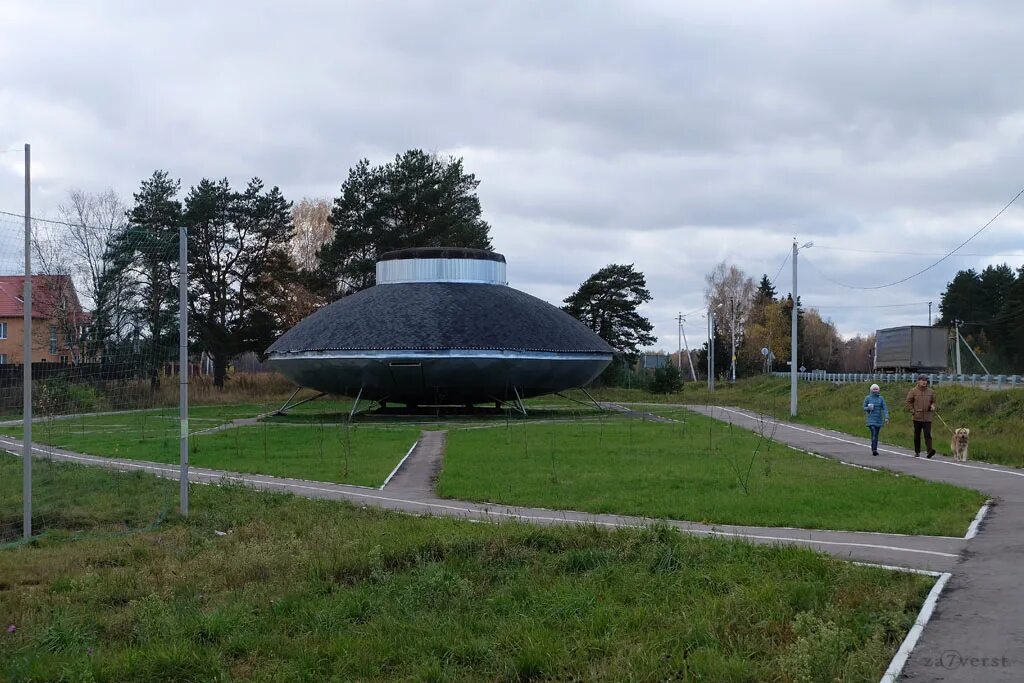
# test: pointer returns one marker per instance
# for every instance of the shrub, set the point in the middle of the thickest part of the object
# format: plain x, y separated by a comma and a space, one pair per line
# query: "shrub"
667, 380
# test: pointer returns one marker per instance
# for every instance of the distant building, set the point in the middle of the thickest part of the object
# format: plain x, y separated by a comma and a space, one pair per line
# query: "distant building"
58, 321
653, 361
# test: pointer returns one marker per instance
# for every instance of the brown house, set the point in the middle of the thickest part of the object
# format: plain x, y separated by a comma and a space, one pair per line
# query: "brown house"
58, 321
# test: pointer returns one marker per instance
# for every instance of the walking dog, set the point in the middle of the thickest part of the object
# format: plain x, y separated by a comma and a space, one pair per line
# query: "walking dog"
958, 445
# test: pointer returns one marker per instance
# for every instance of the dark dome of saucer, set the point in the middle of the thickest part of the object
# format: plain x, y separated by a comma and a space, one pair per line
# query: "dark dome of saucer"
427, 316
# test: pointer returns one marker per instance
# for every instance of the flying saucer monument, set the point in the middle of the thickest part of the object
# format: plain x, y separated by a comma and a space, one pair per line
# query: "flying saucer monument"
440, 328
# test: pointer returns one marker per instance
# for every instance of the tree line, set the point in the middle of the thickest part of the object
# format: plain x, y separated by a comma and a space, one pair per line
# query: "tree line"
257, 263
761, 319
988, 306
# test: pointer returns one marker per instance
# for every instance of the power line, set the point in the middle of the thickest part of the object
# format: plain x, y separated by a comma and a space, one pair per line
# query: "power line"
913, 253
1000, 317
927, 268
696, 310
779, 271
50, 221
913, 303
40, 220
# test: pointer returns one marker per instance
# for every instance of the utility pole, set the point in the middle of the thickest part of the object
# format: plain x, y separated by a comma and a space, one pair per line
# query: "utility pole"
792, 344
26, 479
711, 349
929, 314
183, 368
956, 340
732, 303
679, 334
693, 373
959, 339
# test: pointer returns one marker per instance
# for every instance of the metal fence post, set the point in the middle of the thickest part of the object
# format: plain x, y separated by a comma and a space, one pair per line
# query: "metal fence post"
26, 483
183, 365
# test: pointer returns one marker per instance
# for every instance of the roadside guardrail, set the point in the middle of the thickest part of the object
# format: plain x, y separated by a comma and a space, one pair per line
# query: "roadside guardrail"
974, 380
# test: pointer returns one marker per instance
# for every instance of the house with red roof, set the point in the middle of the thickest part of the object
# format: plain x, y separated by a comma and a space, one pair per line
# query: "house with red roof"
58, 320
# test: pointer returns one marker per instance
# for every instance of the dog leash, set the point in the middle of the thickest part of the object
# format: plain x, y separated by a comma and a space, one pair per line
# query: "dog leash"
944, 423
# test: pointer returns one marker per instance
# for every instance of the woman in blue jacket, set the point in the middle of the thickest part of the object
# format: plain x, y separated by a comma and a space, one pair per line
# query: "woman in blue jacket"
877, 414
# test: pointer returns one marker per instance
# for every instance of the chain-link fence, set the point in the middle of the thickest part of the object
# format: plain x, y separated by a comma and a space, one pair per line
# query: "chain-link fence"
106, 361
12, 279
103, 358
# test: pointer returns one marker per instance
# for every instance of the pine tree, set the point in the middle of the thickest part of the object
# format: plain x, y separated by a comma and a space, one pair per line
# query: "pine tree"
963, 296
144, 258
607, 303
667, 380
1008, 325
765, 290
417, 200
239, 268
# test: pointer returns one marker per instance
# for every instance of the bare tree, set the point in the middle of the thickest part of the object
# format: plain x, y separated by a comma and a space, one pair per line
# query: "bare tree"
92, 220
731, 292
55, 297
742, 468
856, 354
725, 284
312, 231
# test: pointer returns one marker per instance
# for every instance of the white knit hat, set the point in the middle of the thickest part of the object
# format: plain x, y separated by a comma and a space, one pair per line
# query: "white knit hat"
875, 388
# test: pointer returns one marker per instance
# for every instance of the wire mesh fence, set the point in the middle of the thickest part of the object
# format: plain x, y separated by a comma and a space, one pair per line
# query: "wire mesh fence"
12, 269
105, 362
104, 370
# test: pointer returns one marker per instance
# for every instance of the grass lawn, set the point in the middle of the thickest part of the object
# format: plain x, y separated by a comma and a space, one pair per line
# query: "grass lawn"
329, 413
995, 418
358, 455
70, 500
316, 590
668, 471
116, 433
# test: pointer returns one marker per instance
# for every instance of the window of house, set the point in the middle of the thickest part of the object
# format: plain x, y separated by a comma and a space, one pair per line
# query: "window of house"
64, 360
53, 339
3, 330
3, 359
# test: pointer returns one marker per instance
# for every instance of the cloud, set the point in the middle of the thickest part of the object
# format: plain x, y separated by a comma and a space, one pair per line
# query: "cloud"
669, 135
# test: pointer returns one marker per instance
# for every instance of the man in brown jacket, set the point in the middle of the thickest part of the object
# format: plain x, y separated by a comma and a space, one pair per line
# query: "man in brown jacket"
921, 403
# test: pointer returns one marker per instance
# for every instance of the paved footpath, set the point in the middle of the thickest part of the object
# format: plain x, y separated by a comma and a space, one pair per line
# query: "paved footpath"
977, 630
410, 490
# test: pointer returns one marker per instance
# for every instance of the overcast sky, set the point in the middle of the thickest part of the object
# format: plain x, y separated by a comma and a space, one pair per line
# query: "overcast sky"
670, 135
